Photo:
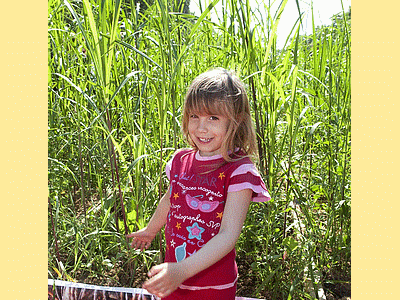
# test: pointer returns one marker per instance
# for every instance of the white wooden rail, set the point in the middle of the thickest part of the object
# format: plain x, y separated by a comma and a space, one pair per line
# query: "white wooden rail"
66, 290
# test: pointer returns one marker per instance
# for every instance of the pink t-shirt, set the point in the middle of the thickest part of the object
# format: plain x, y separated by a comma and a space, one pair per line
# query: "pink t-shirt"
199, 188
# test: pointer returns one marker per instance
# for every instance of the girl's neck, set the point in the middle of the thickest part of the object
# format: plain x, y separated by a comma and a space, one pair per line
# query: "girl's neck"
205, 158
213, 157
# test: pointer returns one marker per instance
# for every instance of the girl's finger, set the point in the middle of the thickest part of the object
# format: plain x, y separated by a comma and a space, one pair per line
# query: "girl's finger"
155, 280
131, 234
151, 285
142, 246
145, 245
136, 244
154, 270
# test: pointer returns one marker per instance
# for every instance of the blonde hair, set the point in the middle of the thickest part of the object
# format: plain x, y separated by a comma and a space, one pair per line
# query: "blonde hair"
220, 92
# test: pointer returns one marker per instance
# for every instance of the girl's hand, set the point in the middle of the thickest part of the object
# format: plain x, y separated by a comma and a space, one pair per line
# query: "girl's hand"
141, 239
165, 279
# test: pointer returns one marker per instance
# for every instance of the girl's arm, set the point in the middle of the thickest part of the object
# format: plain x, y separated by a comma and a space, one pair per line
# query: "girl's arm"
142, 238
168, 276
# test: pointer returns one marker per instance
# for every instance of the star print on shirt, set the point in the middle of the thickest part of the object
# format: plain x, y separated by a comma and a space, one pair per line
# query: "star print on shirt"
195, 231
176, 195
178, 225
221, 175
219, 215
173, 243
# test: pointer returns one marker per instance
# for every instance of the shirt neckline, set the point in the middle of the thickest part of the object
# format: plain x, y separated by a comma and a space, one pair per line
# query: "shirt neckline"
213, 157
207, 158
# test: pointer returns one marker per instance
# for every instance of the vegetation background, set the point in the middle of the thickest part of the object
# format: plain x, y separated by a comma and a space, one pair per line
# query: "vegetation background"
118, 73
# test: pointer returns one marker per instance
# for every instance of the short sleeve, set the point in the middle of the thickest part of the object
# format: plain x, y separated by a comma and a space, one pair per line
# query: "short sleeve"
168, 168
246, 176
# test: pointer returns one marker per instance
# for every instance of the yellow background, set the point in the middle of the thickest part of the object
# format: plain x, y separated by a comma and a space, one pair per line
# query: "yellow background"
375, 163
23, 158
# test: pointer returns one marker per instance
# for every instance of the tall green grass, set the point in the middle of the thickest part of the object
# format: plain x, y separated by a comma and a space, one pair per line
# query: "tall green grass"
116, 85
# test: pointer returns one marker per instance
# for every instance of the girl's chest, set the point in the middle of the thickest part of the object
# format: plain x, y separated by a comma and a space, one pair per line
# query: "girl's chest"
197, 201
200, 192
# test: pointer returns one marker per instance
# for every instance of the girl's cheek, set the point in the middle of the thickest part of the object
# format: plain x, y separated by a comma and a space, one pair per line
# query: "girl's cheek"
192, 124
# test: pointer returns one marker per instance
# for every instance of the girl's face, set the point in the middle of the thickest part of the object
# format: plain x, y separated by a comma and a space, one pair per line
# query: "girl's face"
207, 132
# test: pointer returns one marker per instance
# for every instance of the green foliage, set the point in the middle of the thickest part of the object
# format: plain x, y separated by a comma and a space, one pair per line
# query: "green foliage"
117, 79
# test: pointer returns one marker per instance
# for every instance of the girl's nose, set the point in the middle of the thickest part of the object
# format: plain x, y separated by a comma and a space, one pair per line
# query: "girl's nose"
202, 125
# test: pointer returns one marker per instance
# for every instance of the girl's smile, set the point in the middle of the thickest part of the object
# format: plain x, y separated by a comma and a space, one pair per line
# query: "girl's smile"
208, 132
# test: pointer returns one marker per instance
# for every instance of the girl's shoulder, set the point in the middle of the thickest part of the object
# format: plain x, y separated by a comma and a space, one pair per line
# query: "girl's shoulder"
240, 158
245, 175
182, 152
176, 156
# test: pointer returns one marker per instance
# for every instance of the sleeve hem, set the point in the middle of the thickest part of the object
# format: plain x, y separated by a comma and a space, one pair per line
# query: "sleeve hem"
259, 193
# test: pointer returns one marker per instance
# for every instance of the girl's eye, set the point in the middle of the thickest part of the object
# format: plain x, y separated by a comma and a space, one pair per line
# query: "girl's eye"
214, 118
193, 116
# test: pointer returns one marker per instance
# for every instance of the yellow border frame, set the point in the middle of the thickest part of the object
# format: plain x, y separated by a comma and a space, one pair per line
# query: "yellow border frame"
375, 112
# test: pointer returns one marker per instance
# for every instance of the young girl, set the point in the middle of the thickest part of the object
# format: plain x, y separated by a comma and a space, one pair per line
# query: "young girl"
211, 187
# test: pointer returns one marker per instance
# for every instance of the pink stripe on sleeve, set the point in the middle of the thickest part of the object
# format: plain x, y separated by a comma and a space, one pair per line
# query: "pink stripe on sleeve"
246, 168
168, 169
262, 195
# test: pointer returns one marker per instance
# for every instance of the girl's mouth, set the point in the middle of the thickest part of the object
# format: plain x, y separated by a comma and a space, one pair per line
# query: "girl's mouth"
204, 140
